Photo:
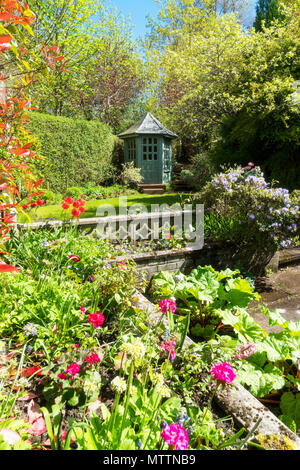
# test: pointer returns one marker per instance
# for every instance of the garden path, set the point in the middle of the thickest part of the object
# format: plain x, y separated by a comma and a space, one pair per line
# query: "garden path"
279, 291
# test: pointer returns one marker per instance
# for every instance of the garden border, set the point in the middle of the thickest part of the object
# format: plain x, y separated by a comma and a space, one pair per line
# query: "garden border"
235, 400
180, 259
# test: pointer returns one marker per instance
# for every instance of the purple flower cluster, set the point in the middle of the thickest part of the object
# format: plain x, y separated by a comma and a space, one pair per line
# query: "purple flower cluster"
270, 209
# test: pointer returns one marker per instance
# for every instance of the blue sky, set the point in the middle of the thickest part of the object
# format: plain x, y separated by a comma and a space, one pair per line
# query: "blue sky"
138, 10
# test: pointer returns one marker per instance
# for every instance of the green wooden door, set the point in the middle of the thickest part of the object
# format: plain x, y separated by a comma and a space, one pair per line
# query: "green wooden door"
151, 154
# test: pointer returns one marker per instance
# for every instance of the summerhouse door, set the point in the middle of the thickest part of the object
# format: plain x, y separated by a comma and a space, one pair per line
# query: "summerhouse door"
151, 168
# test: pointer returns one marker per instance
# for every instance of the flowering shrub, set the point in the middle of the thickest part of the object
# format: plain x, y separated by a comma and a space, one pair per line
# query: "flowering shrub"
259, 214
16, 157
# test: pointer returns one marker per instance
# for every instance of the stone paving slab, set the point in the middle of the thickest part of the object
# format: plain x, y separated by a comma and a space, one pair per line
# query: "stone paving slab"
279, 291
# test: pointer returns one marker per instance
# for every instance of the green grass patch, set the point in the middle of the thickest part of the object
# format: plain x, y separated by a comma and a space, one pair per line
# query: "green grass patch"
56, 212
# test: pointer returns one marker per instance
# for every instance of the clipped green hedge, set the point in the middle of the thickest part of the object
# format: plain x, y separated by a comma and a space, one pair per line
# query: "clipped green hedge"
76, 152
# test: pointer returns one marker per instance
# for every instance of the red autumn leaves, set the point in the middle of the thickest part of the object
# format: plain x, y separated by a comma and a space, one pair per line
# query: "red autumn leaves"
12, 11
5, 42
53, 57
77, 206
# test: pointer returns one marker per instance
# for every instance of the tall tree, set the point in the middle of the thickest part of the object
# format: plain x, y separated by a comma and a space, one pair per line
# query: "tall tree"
222, 78
266, 12
88, 34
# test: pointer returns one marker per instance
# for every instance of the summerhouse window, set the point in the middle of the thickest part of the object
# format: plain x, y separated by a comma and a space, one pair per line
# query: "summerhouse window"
150, 148
131, 150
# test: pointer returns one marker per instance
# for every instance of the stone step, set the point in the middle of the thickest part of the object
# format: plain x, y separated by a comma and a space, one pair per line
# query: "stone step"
289, 256
153, 188
154, 191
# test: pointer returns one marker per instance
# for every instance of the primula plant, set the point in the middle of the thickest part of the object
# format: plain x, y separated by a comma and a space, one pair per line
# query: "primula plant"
204, 296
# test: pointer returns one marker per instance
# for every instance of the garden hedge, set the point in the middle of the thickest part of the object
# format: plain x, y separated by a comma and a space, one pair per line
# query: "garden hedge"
75, 151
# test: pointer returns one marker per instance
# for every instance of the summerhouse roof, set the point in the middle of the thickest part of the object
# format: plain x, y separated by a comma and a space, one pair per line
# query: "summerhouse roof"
148, 124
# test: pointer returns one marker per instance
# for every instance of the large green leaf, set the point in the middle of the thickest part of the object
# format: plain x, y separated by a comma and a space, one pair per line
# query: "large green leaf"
261, 381
290, 406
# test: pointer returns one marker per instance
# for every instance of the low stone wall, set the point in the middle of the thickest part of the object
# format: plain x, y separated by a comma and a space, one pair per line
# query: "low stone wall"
186, 259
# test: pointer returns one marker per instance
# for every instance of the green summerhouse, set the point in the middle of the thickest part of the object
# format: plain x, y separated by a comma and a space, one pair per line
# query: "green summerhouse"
149, 145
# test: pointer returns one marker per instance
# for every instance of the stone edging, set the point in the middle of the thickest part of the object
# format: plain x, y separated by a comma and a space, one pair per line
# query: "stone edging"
245, 409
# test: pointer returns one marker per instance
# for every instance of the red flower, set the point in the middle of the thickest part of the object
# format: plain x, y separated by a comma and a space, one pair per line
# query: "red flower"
74, 258
97, 319
76, 204
82, 209
40, 202
25, 207
76, 212
32, 370
81, 202
92, 359
69, 200
62, 376
33, 204
65, 206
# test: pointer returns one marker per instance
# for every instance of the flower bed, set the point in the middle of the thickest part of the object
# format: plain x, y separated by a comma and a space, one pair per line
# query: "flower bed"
82, 368
214, 307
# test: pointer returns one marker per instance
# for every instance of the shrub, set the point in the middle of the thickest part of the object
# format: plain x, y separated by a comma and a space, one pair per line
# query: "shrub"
50, 197
75, 152
130, 175
197, 174
97, 192
263, 217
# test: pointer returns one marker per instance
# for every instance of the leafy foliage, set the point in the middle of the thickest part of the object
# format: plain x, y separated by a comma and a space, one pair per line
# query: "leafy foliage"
256, 216
227, 92
76, 151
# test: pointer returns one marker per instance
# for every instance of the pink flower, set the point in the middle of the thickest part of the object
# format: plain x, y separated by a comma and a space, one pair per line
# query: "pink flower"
73, 369
97, 319
62, 376
176, 436
169, 346
245, 350
122, 264
92, 359
74, 258
167, 305
223, 372
168, 235
82, 309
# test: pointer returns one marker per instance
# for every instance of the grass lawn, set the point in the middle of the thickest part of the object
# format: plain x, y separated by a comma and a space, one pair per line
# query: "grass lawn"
56, 211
